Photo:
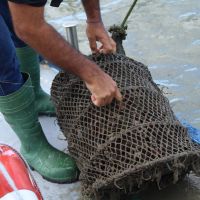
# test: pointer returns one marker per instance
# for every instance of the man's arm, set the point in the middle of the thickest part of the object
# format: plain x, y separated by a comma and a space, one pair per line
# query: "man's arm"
95, 28
92, 10
31, 27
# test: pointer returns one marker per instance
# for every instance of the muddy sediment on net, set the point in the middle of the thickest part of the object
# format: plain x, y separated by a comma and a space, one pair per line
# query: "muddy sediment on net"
123, 147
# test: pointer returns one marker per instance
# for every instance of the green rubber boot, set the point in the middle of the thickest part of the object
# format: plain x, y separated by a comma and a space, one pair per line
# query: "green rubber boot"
29, 62
52, 164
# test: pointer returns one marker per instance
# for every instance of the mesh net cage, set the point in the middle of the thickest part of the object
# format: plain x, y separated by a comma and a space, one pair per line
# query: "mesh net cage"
122, 147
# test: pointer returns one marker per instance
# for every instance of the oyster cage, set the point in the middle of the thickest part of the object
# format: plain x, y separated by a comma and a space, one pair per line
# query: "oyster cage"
122, 147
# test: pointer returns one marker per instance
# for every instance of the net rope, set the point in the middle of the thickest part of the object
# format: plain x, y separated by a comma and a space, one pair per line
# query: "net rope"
122, 147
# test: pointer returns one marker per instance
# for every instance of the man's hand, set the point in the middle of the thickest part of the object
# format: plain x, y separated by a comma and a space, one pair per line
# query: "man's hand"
96, 32
103, 89
95, 28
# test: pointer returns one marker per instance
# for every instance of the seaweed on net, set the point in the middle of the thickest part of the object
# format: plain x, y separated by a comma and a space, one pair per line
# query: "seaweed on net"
121, 148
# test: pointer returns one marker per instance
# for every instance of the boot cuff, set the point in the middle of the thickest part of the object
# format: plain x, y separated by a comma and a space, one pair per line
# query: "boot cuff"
20, 99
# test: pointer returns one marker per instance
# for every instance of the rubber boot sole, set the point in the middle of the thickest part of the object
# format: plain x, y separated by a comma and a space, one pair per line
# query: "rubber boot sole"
58, 182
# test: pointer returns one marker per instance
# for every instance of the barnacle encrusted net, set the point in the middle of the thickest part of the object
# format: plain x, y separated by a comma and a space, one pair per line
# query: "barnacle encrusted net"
123, 146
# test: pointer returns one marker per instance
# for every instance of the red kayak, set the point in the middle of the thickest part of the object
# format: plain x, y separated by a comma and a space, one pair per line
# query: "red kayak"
16, 182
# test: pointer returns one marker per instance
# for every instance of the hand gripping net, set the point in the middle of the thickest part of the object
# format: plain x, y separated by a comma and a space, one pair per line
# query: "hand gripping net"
123, 146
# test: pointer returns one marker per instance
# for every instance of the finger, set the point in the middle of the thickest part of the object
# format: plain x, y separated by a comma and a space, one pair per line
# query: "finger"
106, 50
118, 95
101, 101
93, 45
111, 47
96, 101
109, 100
100, 50
106, 46
93, 98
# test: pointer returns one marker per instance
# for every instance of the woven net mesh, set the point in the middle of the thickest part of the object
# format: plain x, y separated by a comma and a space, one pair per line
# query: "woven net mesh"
123, 146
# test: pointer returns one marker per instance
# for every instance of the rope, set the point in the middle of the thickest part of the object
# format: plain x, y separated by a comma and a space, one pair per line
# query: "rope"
128, 14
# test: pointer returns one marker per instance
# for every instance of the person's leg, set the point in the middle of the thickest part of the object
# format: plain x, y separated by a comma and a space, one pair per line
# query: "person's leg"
29, 62
10, 77
17, 106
